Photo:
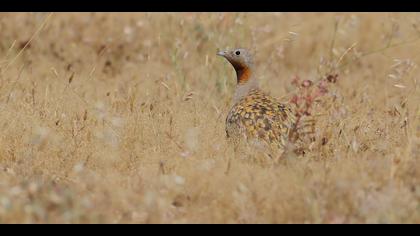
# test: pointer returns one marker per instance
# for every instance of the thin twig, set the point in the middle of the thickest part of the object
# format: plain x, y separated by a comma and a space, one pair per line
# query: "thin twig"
363, 55
14, 84
383, 49
344, 54
29, 41
89, 105
333, 39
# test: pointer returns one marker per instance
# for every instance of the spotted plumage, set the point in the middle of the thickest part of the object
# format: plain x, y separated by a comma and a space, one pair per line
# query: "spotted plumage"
255, 115
260, 117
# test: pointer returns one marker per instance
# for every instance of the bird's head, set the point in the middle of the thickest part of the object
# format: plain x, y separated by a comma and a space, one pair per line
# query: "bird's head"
241, 60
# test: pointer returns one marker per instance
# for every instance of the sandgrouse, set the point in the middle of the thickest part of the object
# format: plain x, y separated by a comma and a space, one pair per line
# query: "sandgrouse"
255, 115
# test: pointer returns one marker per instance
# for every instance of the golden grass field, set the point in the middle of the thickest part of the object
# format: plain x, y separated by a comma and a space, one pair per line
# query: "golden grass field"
119, 118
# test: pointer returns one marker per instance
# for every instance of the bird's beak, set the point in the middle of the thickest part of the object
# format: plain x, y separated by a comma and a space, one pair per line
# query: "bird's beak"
221, 53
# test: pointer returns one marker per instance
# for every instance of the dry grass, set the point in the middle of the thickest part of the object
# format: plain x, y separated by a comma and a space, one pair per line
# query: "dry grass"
119, 118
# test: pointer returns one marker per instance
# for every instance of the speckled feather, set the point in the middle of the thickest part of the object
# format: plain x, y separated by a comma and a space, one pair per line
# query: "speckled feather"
259, 116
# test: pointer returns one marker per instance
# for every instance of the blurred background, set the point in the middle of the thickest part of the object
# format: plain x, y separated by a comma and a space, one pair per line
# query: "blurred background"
119, 118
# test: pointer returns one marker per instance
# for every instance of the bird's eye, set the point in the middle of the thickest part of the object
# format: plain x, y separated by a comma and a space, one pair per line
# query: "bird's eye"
237, 53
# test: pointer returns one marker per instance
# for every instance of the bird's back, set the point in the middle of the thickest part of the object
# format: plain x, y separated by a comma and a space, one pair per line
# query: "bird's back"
258, 116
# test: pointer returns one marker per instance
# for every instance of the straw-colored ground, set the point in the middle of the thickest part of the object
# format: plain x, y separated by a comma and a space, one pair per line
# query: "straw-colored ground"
119, 118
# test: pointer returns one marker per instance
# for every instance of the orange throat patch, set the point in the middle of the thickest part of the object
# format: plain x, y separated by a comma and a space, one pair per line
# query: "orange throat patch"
243, 75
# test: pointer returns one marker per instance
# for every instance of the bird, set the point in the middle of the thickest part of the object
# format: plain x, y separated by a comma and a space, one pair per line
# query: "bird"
255, 116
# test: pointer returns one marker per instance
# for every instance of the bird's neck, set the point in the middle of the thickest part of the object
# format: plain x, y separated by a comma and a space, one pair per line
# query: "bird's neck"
246, 82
